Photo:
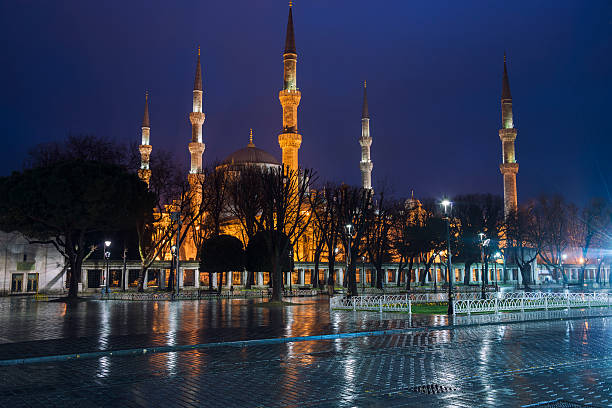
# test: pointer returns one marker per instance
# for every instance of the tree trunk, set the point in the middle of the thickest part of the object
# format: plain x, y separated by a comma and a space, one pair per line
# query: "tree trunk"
250, 279
170, 287
582, 268
466, 272
210, 281
352, 281
141, 277
423, 276
398, 281
379, 276
219, 281
277, 282
75, 271
409, 277
526, 274
317, 260
331, 281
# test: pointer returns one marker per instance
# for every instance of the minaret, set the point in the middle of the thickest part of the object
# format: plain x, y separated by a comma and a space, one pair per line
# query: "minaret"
196, 117
365, 141
290, 140
507, 134
145, 148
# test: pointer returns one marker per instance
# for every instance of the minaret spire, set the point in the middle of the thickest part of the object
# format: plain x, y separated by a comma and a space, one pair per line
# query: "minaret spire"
196, 117
364, 112
145, 118
145, 148
290, 140
507, 135
197, 84
290, 38
365, 141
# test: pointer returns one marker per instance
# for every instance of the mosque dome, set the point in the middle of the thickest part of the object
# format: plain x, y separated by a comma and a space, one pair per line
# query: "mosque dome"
251, 155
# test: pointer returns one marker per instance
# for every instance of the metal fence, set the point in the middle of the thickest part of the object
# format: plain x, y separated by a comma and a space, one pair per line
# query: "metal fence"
467, 303
203, 295
532, 301
395, 303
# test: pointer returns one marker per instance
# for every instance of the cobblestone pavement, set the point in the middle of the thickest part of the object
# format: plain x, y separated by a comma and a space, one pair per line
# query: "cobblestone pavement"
510, 365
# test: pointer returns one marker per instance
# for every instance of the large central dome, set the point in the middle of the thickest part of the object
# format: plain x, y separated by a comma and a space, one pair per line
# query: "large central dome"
251, 155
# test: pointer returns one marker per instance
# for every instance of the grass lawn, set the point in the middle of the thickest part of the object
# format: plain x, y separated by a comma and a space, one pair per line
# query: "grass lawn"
437, 309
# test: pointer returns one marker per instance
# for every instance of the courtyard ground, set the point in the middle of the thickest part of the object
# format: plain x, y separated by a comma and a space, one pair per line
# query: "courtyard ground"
507, 360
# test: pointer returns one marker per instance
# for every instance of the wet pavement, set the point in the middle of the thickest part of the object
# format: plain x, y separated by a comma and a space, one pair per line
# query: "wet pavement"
501, 364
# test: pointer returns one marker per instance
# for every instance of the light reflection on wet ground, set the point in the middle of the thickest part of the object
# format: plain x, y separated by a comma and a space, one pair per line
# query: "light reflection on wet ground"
501, 365
29, 329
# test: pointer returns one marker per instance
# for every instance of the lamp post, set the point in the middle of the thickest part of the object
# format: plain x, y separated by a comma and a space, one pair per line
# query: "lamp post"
363, 273
482, 285
498, 255
349, 232
176, 216
599, 271
561, 259
336, 249
291, 269
107, 255
173, 261
448, 208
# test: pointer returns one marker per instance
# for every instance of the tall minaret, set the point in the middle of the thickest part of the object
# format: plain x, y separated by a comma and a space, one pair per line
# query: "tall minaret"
145, 148
365, 141
290, 140
507, 134
196, 117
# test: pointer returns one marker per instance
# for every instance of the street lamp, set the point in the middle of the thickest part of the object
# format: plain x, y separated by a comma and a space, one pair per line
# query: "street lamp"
107, 255
498, 255
561, 259
448, 208
291, 269
482, 277
349, 232
176, 216
363, 274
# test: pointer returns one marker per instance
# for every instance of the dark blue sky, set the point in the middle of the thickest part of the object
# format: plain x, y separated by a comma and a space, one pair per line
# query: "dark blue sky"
433, 70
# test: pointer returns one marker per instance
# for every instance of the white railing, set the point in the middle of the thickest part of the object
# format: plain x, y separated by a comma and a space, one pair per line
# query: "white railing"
532, 301
467, 303
386, 303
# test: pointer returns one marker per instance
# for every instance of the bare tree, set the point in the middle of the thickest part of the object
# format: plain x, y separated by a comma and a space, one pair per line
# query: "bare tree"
553, 230
523, 243
244, 203
327, 222
284, 213
378, 243
353, 204
155, 230
407, 222
475, 214
590, 232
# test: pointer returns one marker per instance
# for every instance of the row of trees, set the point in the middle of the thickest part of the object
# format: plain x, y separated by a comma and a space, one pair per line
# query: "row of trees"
557, 232
72, 192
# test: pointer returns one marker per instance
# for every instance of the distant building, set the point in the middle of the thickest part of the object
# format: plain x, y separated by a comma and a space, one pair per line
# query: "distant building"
29, 268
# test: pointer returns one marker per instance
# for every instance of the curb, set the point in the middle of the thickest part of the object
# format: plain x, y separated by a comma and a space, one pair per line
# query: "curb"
257, 342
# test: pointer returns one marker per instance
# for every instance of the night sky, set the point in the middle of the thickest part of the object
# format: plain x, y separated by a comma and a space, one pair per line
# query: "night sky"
434, 74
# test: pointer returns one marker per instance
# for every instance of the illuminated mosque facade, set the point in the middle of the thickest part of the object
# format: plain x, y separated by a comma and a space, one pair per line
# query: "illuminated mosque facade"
18, 255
